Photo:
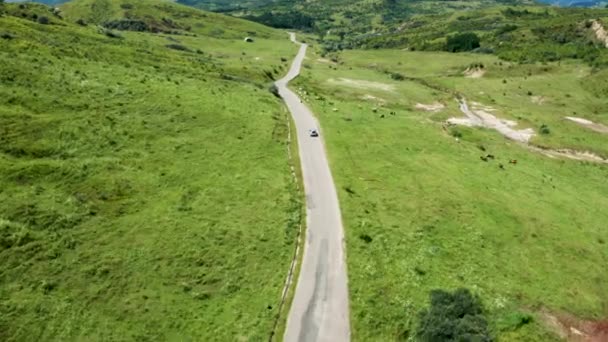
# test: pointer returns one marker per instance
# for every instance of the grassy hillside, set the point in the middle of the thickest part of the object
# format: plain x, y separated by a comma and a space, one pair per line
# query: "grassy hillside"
342, 17
145, 188
522, 34
423, 211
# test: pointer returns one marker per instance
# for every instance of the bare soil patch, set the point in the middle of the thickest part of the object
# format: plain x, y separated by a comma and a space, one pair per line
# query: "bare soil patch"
589, 124
576, 330
538, 99
474, 72
433, 107
361, 84
600, 32
479, 115
369, 97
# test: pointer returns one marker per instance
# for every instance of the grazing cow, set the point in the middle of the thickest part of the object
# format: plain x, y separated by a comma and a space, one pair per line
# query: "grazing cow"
490, 156
484, 158
513, 161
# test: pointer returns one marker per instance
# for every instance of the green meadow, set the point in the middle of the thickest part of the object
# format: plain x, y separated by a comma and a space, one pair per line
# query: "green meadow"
145, 190
422, 211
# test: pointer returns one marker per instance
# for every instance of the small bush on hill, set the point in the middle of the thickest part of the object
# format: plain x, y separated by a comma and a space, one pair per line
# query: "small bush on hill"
274, 90
462, 42
177, 47
456, 316
397, 76
110, 33
544, 129
127, 25
43, 20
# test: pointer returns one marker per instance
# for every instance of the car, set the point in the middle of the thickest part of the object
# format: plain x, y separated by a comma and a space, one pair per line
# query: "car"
314, 133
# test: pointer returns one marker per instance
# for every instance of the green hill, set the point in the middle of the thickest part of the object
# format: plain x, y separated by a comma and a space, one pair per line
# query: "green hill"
145, 191
342, 17
522, 33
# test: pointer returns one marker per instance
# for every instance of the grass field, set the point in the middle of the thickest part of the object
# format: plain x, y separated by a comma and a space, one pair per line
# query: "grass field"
145, 190
422, 211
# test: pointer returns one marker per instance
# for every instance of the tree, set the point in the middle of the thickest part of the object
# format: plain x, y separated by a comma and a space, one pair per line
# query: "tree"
462, 42
456, 316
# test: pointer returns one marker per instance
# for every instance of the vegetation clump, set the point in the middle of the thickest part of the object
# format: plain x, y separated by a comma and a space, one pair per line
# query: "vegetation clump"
454, 316
127, 25
462, 42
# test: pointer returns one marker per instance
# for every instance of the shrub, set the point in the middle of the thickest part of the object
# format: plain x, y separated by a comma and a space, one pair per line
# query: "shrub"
397, 76
177, 47
544, 129
455, 132
43, 20
126, 6
462, 42
457, 316
127, 25
274, 90
81, 22
111, 34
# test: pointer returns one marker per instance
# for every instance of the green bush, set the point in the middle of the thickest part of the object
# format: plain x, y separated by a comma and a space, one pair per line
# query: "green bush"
456, 316
43, 20
274, 90
397, 76
127, 25
462, 42
544, 129
177, 47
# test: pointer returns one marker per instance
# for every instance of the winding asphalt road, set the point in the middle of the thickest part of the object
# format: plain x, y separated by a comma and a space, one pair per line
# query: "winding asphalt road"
319, 311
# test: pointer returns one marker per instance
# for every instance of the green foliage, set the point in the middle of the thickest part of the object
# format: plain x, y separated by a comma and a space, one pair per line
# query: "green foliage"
127, 25
274, 90
544, 129
453, 316
130, 173
289, 20
462, 42
43, 20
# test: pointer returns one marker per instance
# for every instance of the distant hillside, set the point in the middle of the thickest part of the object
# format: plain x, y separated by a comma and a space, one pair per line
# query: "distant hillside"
46, 2
344, 18
576, 3
524, 34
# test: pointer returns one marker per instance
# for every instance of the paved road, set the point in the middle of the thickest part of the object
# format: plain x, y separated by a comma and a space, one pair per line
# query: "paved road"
319, 311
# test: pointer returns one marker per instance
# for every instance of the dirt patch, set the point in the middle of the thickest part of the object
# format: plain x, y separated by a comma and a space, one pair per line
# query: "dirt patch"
589, 124
570, 154
538, 99
361, 84
369, 97
479, 115
433, 107
600, 32
576, 330
474, 72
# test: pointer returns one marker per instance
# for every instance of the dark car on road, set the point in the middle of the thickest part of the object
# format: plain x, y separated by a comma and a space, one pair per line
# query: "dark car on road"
314, 133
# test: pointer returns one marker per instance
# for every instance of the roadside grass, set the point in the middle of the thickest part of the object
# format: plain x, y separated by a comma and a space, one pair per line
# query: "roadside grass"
144, 195
422, 211
301, 220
